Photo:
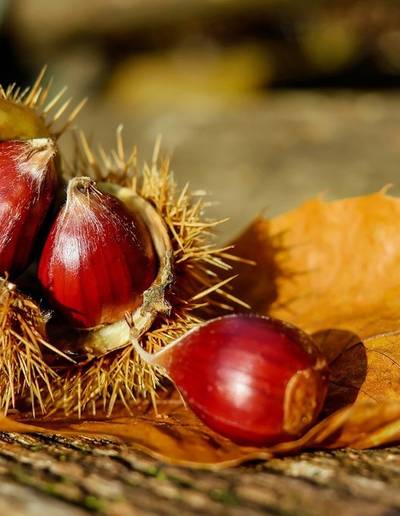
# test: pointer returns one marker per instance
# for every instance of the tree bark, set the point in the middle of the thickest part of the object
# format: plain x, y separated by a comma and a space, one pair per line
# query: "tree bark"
75, 476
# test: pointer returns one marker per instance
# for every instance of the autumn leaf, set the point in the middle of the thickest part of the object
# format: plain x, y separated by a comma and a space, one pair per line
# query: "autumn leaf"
176, 436
327, 265
332, 268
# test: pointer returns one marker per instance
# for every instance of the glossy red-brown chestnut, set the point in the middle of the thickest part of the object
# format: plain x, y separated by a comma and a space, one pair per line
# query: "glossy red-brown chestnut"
98, 258
28, 182
255, 380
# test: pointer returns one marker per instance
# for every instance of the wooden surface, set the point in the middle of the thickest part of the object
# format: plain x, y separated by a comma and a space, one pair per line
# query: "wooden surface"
57, 476
277, 151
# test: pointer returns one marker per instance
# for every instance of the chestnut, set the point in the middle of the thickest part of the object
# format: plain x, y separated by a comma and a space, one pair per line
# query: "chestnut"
256, 380
98, 258
28, 182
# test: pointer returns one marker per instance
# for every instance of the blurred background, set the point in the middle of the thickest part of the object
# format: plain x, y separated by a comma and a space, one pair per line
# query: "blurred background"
264, 103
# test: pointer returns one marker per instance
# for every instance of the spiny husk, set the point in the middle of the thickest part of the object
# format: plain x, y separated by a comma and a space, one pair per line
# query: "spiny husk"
198, 289
24, 373
34, 112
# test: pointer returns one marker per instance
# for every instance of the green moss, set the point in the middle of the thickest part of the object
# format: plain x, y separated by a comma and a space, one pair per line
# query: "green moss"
94, 504
51, 489
36, 447
224, 496
157, 472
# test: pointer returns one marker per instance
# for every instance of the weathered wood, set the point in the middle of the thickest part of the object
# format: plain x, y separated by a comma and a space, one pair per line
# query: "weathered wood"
69, 475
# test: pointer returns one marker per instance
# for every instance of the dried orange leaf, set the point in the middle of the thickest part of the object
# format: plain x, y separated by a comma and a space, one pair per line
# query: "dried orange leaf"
178, 437
327, 265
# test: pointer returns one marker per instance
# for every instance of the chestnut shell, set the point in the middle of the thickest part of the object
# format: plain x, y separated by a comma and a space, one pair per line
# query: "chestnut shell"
28, 182
97, 260
255, 380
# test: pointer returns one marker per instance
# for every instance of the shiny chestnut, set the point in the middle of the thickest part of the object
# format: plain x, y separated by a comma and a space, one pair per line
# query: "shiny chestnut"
98, 258
28, 182
256, 380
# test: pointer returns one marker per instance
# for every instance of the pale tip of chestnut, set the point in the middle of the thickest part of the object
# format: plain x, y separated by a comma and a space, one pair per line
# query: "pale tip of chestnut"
35, 155
81, 184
